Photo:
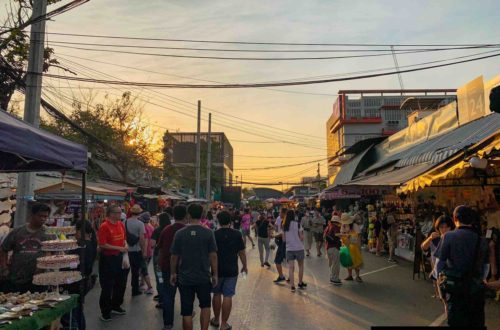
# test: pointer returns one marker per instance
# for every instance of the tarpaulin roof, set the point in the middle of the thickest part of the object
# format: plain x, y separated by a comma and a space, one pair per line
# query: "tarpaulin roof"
26, 148
392, 178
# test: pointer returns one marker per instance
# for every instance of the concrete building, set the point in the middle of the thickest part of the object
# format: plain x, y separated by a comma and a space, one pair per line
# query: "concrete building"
360, 115
180, 159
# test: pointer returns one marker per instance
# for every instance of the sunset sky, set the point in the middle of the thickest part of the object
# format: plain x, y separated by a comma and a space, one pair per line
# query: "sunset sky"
302, 115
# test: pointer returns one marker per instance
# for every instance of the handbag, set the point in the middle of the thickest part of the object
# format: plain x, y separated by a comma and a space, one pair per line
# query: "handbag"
345, 257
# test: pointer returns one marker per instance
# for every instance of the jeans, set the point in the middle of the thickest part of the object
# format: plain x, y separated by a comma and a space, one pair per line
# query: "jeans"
136, 261
263, 243
167, 295
334, 255
113, 280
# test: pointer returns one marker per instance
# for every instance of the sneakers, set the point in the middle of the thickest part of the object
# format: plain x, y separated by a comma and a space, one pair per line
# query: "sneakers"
392, 261
336, 282
156, 298
149, 291
348, 278
293, 289
302, 285
267, 264
118, 311
279, 279
105, 318
168, 327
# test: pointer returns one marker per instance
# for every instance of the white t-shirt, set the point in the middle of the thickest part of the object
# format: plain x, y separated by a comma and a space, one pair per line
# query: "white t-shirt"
292, 237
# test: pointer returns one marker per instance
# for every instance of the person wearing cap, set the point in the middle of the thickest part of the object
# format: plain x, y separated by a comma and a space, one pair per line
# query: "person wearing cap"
148, 232
351, 239
137, 250
332, 247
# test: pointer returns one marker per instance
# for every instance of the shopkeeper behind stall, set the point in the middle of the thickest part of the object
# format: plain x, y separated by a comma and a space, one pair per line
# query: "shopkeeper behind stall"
25, 242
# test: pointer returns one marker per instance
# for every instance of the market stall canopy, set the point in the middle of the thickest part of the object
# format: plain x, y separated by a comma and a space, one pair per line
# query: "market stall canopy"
72, 190
26, 148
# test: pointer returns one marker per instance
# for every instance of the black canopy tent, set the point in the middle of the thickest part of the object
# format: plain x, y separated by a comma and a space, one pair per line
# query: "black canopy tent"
25, 148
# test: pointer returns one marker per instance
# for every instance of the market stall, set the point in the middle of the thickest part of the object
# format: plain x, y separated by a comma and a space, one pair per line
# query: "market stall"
24, 148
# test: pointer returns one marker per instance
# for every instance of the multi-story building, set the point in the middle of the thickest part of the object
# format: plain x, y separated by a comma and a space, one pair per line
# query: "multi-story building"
364, 114
180, 159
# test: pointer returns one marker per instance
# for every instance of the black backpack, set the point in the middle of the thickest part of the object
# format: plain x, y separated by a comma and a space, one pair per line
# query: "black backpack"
132, 239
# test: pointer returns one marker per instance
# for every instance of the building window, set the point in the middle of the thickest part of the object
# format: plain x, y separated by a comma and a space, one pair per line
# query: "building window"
392, 115
353, 113
372, 113
372, 102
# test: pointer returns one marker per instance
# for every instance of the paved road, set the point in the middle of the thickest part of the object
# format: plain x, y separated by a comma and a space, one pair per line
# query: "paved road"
388, 296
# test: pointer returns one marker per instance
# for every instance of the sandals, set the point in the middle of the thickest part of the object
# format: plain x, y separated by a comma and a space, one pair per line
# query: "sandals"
213, 323
358, 279
348, 278
229, 327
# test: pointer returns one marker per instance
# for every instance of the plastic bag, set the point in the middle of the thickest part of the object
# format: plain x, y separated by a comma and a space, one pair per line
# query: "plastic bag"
125, 261
345, 257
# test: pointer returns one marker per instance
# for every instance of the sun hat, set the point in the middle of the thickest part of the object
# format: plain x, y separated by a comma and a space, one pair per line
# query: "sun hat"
136, 209
346, 219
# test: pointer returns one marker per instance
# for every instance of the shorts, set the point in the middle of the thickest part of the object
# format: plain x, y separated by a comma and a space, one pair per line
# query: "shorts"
144, 266
245, 232
188, 292
295, 255
318, 237
226, 286
280, 253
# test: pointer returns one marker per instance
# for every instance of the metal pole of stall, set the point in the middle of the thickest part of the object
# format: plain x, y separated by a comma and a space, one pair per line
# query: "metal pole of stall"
81, 244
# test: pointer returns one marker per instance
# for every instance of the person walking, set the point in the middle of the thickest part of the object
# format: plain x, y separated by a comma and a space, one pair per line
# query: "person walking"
317, 229
164, 220
137, 246
280, 246
461, 260
263, 227
351, 239
332, 247
392, 235
167, 290
193, 267
293, 237
230, 247
113, 266
306, 225
148, 233
246, 222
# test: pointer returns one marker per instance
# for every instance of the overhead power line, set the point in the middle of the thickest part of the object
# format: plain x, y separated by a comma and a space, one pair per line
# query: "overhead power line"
253, 85
259, 125
59, 42
279, 166
228, 58
259, 42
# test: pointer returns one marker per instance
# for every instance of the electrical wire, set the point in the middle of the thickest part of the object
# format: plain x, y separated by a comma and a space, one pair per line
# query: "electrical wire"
243, 120
258, 43
227, 58
58, 42
253, 85
279, 166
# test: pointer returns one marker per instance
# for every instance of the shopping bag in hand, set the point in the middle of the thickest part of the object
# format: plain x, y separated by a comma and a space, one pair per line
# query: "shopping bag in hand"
125, 261
345, 257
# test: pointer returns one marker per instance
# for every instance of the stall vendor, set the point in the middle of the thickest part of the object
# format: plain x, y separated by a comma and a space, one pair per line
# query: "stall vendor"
25, 242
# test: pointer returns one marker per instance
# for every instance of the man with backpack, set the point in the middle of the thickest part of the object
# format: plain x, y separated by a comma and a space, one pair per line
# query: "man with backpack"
462, 256
137, 246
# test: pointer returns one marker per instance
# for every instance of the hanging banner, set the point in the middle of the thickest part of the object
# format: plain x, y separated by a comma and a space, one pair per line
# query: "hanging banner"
471, 101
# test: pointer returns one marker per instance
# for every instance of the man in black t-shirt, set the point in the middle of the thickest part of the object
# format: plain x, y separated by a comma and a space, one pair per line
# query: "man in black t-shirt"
194, 257
231, 245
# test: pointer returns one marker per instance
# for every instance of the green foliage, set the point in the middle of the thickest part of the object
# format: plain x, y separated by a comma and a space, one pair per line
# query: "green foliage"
118, 123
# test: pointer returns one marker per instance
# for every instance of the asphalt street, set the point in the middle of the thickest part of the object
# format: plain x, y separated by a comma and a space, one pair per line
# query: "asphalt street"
389, 296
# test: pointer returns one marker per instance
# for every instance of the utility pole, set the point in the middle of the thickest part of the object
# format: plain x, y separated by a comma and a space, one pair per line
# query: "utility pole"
209, 158
198, 153
26, 181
